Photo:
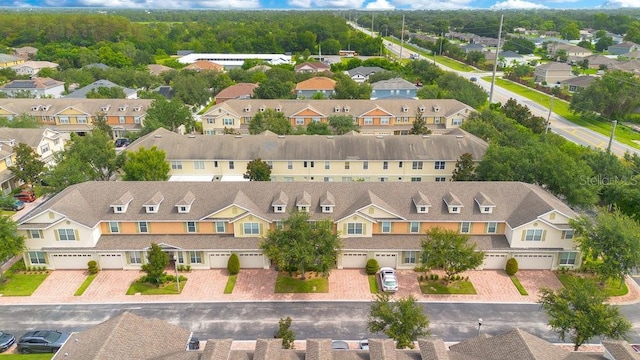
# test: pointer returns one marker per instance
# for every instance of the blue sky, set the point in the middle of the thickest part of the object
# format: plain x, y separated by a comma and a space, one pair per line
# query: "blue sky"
329, 4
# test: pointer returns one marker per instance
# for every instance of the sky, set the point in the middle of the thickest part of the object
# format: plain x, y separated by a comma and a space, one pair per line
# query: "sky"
328, 4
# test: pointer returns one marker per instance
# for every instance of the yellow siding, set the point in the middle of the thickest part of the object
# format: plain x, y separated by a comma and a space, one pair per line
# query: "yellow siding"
228, 213
238, 227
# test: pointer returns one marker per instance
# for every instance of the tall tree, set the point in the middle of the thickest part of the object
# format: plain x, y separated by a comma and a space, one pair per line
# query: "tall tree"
342, 124
450, 251
402, 320
12, 243
258, 170
28, 167
273, 88
169, 114
520, 45
465, 168
271, 120
614, 95
346, 88
285, 333
104, 92
301, 246
100, 122
157, 261
22, 121
146, 165
613, 239
578, 312
419, 126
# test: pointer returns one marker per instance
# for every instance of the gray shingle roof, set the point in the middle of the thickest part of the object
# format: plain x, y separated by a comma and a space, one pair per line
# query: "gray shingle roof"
82, 92
364, 70
620, 350
31, 137
393, 84
51, 107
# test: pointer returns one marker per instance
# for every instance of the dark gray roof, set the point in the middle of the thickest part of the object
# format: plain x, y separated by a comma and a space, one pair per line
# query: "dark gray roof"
620, 350
82, 92
364, 70
393, 84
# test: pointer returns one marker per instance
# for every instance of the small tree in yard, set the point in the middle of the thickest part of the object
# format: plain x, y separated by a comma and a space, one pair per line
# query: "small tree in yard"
579, 312
512, 266
28, 167
258, 170
285, 333
233, 265
372, 267
402, 320
157, 261
450, 251
12, 243
93, 267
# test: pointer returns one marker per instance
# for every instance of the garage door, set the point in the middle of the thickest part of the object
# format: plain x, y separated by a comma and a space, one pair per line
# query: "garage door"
386, 259
219, 260
354, 260
495, 261
70, 261
534, 261
251, 260
111, 261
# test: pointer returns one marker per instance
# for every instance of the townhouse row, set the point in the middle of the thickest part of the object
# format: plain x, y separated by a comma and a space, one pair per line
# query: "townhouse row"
202, 223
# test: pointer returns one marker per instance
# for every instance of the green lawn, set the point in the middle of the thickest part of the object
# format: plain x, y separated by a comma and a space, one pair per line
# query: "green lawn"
518, 285
623, 133
85, 285
169, 288
21, 284
610, 287
446, 61
286, 284
231, 283
440, 287
373, 284
26, 356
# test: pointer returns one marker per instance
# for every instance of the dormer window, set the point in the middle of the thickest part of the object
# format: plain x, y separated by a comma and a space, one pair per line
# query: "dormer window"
46, 107
278, 209
183, 209
422, 108
279, 109
436, 108
453, 203
151, 209
405, 108
184, 205
484, 203
454, 209
422, 210
35, 108
153, 205
247, 108
105, 108
122, 108
137, 108
327, 209
303, 208
262, 108
120, 205
118, 209
336, 108
346, 109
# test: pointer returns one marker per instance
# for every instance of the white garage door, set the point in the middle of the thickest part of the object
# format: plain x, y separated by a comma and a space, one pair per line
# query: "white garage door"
219, 260
387, 259
251, 260
495, 261
534, 261
354, 260
70, 261
111, 261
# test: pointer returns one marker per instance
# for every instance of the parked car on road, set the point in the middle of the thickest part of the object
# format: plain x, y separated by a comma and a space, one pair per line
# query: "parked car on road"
6, 340
363, 344
122, 142
42, 341
25, 196
17, 206
473, 79
388, 279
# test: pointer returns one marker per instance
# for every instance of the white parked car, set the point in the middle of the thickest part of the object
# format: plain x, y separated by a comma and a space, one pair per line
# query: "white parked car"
388, 279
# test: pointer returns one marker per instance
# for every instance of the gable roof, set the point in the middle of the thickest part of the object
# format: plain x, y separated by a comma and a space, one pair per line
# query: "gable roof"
239, 90
316, 83
393, 84
34, 83
204, 65
82, 92
317, 65
6, 58
157, 69
364, 70
553, 66
581, 81
31, 137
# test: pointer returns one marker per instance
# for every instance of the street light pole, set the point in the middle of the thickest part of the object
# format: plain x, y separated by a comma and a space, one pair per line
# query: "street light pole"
495, 64
549, 115
479, 325
613, 131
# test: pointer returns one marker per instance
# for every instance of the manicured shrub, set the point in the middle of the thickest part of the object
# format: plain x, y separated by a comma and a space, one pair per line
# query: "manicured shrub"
233, 265
93, 267
512, 266
372, 267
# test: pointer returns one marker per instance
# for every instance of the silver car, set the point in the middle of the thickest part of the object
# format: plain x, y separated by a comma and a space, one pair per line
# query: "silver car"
388, 279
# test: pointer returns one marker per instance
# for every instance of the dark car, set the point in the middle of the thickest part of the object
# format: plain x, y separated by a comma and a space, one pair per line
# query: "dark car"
25, 196
42, 341
473, 79
122, 142
6, 340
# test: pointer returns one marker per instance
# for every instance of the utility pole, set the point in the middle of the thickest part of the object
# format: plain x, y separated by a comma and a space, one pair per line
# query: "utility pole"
402, 40
613, 131
372, 24
495, 64
549, 115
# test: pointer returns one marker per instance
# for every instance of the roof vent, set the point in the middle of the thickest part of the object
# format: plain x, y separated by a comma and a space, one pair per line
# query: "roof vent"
192, 136
280, 136
459, 136
157, 136
238, 136
330, 136
426, 136
379, 136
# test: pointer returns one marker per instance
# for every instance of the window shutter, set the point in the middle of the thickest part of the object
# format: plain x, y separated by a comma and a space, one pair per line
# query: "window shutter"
57, 234
28, 234
137, 227
544, 235
344, 228
364, 229
75, 233
148, 227
197, 227
524, 233
185, 227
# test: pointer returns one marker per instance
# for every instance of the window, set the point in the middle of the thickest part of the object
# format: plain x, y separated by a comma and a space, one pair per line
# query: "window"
384, 121
383, 179
121, 119
417, 165
195, 257
385, 226
568, 258
368, 121
135, 257
299, 121
56, 142
416, 179
346, 165
327, 209
183, 209
414, 227
347, 179
439, 165
422, 210
8, 161
191, 226
308, 164
211, 121
180, 257
328, 179
533, 235
36, 257
114, 227
221, 227
385, 165
457, 122
567, 234
288, 179
251, 228
492, 227
409, 257
278, 209
327, 165
176, 165
44, 148
355, 229
455, 209
198, 165
35, 234
82, 119
400, 164
143, 227
436, 120
64, 119
465, 227
66, 235
303, 208
441, 179
279, 224
215, 163
232, 165
228, 122
365, 165
290, 165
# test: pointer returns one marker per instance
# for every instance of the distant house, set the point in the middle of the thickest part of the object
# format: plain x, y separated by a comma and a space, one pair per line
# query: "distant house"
237, 91
472, 47
157, 69
577, 83
632, 66
362, 73
36, 87
623, 48
571, 50
9, 60
312, 67
165, 90
393, 88
319, 84
505, 58
82, 92
632, 55
25, 52
32, 67
44, 141
204, 65
553, 72
596, 61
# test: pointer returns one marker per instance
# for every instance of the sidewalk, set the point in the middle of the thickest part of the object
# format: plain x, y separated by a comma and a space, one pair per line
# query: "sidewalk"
110, 286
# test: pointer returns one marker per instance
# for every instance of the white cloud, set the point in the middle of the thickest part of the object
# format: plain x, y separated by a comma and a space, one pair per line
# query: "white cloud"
433, 4
621, 4
517, 4
329, 4
159, 4
379, 5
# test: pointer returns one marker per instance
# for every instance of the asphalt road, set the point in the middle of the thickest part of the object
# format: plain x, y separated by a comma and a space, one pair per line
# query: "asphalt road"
252, 320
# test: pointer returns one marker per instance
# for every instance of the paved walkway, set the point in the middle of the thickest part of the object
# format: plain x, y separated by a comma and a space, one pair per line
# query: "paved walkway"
110, 286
